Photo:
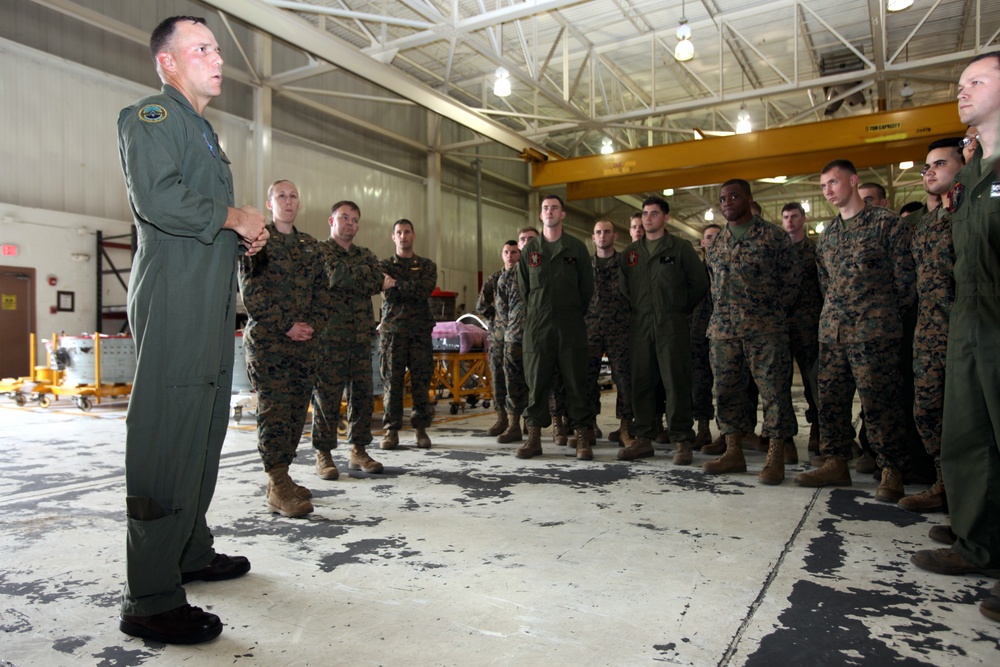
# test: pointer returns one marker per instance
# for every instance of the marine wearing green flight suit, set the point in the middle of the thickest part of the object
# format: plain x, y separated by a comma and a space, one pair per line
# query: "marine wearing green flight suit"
970, 438
180, 187
664, 280
556, 284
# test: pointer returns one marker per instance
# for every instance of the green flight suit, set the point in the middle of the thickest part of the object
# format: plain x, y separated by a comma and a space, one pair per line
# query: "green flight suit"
970, 458
664, 280
181, 308
556, 284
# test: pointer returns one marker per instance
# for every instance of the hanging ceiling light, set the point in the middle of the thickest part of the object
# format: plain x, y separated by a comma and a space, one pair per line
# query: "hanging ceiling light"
743, 125
820, 227
709, 215
684, 50
805, 205
908, 164
501, 87
907, 94
669, 192
607, 146
898, 5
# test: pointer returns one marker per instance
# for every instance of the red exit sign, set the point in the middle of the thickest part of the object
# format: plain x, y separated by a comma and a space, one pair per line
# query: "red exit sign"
8, 250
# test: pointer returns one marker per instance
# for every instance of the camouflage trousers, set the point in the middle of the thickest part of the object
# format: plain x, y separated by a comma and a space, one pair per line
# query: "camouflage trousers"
513, 369
701, 379
498, 378
871, 368
929, 352
616, 347
804, 341
766, 361
399, 352
282, 376
343, 366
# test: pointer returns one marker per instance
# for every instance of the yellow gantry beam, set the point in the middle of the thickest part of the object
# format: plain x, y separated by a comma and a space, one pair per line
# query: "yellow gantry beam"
870, 140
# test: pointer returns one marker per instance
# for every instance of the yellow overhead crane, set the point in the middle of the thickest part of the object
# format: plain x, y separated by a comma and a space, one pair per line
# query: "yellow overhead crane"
870, 140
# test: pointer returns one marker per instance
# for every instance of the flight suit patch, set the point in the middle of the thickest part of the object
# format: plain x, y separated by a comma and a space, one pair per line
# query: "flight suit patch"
535, 259
632, 258
152, 113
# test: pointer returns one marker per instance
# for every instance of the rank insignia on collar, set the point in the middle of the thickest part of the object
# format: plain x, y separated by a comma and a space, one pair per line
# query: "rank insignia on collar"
632, 258
535, 259
152, 113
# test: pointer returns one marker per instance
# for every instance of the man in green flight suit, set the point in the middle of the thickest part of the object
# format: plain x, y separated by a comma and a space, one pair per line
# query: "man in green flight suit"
181, 308
664, 280
556, 282
970, 437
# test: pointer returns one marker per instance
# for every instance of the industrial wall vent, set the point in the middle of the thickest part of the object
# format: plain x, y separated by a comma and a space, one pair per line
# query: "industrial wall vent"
839, 62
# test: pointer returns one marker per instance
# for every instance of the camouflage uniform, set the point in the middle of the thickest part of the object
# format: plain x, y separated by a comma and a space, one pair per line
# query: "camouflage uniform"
510, 308
803, 323
556, 283
866, 274
281, 285
607, 332
755, 280
664, 280
352, 278
970, 454
934, 259
405, 339
701, 367
486, 306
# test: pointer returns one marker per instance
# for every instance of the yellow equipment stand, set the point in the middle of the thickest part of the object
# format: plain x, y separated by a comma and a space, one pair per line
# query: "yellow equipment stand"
463, 377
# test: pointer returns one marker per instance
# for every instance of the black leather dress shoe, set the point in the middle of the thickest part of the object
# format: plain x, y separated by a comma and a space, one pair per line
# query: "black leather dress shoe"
183, 625
222, 567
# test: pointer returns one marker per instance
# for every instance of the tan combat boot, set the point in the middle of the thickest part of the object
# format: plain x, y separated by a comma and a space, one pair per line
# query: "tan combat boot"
682, 453
560, 431
325, 467
716, 447
532, 446
625, 437
390, 440
931, 500
890, 490
513, 432
281, 495
640, 449
585, 444
731, 460
360, 460
773, 471
500, 425
763, 443
833, 472
423, 440
704, 435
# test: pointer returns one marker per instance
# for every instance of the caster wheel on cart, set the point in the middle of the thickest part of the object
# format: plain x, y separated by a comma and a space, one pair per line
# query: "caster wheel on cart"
20, 400
237, 414
454, 409
486, 405
84, 403
44, 401
342, 427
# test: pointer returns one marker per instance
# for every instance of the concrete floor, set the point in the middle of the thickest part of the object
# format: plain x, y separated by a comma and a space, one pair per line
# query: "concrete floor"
465, 555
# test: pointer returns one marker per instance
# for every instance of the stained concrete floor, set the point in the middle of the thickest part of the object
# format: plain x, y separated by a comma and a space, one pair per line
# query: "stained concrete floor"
465, 555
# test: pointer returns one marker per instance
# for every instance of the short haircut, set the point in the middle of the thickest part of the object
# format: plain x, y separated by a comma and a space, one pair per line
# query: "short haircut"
637, 214
349, 204
949, 142
844, 165
402, 221
527, 229
709, 226
562, 204
163, 33
876, 187
911, 207
659, 202
740, 182
794, 206
983, 56
270, 189
509, 242
613, 228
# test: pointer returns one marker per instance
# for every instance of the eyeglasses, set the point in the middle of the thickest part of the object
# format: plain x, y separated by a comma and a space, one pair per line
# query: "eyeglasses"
964, 143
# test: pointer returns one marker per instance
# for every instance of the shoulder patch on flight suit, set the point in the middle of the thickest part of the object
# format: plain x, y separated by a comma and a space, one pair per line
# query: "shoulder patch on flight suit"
632, 258
535, 259
955, 196
152, 113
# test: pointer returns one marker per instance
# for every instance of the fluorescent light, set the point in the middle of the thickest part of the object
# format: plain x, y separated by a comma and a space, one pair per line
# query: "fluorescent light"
669, 192
906, 165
